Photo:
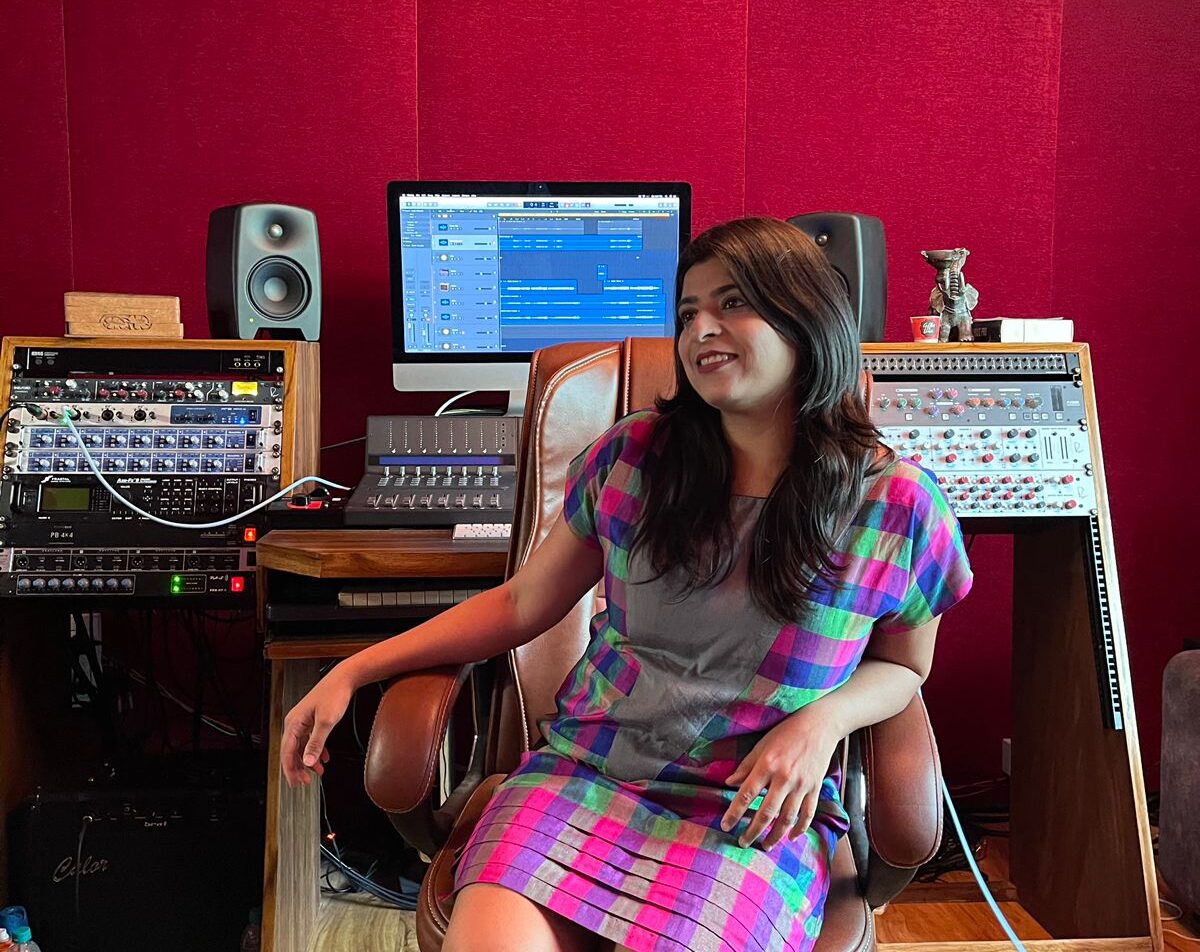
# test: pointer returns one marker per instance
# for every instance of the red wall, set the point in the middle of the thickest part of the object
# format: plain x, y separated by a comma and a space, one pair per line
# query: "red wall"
1050, 137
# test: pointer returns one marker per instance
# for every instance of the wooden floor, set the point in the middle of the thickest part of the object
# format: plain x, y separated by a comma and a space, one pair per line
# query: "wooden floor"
355, 924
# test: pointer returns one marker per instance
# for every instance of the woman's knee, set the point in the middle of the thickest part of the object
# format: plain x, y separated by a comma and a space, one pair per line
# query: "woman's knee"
491, 918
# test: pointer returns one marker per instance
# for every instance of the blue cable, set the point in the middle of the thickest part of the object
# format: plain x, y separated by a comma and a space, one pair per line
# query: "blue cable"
966, 847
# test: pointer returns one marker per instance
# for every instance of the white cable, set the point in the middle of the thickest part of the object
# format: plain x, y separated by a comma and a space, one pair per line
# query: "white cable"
966, 848
458, 396
186, 525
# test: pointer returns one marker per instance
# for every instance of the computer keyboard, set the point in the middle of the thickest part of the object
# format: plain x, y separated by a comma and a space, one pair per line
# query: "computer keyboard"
482, 530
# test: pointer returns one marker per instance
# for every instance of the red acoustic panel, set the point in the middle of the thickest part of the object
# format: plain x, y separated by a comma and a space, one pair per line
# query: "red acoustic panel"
562, 91
1127, 203
178, 108
35, 214
940, 120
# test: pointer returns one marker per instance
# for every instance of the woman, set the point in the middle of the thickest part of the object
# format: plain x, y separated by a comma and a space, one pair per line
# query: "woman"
774, 578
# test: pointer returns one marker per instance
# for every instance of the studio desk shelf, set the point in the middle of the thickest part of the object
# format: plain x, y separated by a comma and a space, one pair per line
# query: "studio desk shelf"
300, 573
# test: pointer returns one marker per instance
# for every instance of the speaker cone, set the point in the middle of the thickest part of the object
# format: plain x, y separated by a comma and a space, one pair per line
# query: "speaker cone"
278, 288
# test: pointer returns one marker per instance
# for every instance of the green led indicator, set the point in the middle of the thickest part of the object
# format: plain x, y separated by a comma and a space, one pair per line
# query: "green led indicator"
176, 584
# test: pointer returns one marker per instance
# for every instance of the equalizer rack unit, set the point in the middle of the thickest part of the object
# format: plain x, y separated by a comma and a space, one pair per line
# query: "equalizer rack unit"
189, 431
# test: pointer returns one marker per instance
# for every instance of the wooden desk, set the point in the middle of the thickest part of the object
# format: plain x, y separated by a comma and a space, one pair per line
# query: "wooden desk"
290, 886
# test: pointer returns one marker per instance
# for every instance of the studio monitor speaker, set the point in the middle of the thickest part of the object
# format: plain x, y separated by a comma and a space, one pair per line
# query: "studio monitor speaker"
855, 247
264, 272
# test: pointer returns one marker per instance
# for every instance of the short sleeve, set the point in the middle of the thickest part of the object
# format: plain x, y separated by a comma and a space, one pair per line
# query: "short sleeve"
584, 480
592, 470
939, 572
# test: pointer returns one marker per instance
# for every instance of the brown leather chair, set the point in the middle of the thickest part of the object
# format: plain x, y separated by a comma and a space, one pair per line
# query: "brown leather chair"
892, 786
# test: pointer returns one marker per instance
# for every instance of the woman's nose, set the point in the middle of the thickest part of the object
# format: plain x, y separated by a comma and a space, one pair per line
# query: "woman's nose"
705, 324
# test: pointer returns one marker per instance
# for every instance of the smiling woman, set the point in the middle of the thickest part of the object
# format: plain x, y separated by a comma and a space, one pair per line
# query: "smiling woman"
773, 581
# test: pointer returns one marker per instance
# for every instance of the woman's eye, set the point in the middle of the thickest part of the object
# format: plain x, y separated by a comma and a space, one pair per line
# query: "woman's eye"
732, 302
685, 317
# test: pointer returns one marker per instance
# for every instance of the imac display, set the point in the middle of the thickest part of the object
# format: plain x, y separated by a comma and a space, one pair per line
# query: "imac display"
485, 273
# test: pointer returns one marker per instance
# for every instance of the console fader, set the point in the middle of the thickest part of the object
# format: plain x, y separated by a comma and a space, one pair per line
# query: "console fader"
190, 431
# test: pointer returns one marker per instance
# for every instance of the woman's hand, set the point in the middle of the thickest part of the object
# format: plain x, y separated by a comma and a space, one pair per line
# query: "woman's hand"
308, 724
790, 762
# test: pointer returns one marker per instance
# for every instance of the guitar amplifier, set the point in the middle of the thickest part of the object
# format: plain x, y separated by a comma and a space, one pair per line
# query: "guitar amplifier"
137, 871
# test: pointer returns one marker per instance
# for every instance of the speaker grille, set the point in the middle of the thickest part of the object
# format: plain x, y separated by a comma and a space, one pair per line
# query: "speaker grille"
278, 288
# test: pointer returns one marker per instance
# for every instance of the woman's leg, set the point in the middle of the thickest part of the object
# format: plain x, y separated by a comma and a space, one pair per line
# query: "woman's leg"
491, 918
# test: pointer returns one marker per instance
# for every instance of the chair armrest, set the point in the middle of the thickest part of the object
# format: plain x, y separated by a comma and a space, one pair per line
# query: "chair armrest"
904, 788
893, 799
406, 737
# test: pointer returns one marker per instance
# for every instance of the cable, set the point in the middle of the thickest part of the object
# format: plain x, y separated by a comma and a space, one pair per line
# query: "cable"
334, 446
979, 878
65, 418
442, 409
406, 901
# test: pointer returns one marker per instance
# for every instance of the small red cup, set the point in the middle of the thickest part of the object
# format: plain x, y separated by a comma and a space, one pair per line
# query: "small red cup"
925, 328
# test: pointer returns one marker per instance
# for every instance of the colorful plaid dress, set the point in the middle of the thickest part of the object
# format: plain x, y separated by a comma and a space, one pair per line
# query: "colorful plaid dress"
615, 822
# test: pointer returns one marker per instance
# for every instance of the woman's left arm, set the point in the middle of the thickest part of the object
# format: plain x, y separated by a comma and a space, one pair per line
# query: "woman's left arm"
791, 759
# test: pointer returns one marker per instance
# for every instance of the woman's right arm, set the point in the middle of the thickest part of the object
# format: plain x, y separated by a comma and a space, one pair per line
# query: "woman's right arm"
550, 583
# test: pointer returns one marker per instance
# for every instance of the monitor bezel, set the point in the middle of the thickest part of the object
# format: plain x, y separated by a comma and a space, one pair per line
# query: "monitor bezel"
682, 190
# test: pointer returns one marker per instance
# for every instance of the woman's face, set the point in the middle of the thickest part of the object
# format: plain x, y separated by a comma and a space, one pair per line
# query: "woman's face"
735, 360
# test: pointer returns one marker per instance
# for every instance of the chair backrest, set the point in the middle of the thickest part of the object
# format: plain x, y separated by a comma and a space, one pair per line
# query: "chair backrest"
575, 393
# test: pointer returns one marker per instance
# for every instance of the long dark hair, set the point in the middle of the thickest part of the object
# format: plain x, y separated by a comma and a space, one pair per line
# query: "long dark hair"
686, 523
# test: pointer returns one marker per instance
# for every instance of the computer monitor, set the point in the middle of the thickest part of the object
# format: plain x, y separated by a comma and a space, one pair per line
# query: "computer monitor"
485, 273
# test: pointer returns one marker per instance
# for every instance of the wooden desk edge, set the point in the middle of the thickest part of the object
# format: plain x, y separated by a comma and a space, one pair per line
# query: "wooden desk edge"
378, 553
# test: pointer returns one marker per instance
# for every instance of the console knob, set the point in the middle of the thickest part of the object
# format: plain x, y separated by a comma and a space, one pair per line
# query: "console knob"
1068, 479
110, 584
987, 457
951, 457
1070, 504
39, 584
885, 402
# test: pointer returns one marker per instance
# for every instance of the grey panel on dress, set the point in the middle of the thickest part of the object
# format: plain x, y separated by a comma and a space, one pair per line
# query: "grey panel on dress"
697, 655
